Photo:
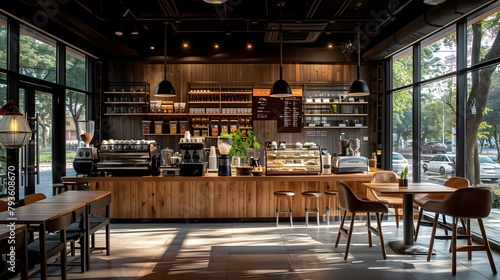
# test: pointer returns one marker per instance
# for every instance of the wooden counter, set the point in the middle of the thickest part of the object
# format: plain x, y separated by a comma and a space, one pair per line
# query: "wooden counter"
211, 196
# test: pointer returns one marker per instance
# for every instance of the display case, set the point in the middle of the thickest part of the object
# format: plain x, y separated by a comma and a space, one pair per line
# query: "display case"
293, 160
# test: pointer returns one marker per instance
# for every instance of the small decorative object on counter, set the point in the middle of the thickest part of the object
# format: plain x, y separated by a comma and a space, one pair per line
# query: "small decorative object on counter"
373, 161
403, 178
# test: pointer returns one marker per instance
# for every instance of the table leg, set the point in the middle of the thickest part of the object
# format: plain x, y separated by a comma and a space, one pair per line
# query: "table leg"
43, 251
408, 246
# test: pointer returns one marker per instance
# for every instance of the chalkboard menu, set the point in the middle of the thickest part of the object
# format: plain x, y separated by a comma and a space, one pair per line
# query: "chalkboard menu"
287, 111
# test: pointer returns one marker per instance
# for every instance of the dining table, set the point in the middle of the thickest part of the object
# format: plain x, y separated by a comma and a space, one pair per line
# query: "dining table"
408, 245
39, 214
86, 197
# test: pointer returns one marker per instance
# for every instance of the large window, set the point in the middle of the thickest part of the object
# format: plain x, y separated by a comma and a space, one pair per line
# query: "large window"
438, 55
75, 69
3, 42
402, 66
481, 34
37, 55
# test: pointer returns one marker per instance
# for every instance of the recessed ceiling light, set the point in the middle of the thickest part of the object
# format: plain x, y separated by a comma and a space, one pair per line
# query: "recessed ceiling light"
216, 46
151, 47
215, 2
330, 46
434, 2
185, 45
249, 46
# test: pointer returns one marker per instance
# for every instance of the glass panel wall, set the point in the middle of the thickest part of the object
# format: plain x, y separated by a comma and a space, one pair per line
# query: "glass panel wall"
402, 120
481, 34
37, 55
75, 69
3, 42
438, 113
402, 65
438, 55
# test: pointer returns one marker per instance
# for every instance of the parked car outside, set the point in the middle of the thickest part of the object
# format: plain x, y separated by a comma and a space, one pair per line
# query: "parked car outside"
434, 147
488, 168
399, 162
442, 164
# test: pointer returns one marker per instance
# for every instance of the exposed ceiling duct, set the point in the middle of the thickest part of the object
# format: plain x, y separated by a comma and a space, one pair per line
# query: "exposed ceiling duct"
294, 33
423, 26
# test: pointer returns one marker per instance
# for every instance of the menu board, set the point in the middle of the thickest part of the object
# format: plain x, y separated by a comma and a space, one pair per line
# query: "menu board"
287, 111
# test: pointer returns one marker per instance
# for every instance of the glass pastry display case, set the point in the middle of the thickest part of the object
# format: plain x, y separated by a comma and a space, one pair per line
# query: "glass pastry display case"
293, 160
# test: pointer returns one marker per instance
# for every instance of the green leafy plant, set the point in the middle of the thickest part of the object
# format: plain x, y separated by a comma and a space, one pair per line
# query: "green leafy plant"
242, 143
404, 173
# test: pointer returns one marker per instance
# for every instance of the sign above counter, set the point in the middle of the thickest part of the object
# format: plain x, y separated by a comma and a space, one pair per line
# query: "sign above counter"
287, 111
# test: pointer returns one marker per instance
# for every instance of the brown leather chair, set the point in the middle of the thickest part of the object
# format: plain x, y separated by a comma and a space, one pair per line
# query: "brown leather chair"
350, 203
464, 203
392, 201
30, 198
421, 199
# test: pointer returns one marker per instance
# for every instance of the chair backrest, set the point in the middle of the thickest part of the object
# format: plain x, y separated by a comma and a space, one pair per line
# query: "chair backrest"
30, 198
457, 182
385, 177
3, 206
468, 203
60, 223
347, 199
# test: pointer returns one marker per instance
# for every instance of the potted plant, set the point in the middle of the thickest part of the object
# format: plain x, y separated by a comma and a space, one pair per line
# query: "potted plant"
403, 178
241, 143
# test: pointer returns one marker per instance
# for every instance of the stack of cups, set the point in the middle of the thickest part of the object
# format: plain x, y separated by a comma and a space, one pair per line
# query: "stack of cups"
212, 159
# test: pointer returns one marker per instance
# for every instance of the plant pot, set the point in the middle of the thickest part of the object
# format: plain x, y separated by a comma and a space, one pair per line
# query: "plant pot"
403, 183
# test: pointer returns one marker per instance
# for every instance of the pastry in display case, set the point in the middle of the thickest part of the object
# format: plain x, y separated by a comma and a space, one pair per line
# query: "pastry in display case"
293, 160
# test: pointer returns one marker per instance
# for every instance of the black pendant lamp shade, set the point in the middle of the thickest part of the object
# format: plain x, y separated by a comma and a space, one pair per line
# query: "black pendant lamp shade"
280, 87
359, 87
165, 88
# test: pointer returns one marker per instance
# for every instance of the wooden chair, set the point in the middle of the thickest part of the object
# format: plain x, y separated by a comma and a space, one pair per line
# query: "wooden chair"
3, 206
392, 201
30, 198
21, 247
349, 202
421, 199
54, 246
464, 203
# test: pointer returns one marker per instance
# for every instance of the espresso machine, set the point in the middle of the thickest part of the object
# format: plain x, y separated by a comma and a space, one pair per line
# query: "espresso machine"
192, 157
349, 160
86, 157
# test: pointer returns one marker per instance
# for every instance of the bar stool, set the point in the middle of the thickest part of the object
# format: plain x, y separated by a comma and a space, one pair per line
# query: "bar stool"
332, 199
58, 188
278, 197
82, 186
312, 195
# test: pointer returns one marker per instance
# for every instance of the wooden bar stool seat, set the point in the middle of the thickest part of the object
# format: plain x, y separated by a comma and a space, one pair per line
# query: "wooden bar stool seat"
287, 197
314, 195
75, 186
58, 188
332, 200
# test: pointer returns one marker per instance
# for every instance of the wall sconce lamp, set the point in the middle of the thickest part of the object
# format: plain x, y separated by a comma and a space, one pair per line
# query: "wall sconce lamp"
14, 129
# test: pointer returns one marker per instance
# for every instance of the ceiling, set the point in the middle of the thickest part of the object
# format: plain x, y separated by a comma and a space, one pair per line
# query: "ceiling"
307, 25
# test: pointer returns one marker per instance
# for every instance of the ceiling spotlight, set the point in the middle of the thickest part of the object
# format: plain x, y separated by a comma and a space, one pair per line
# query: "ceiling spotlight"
185, 45
330, 46
434, 2
215, 2
249, 46
134, 30
118, 33
216, 46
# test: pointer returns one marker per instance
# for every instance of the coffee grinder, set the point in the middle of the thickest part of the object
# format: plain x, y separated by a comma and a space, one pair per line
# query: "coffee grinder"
344, 145
86, 157
224, 146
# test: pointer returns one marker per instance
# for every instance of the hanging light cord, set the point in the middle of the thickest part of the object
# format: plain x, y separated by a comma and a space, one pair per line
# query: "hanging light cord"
165, 53
281, 4
359, 53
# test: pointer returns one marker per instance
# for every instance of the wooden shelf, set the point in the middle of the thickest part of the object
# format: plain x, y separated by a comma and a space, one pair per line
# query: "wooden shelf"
334, 127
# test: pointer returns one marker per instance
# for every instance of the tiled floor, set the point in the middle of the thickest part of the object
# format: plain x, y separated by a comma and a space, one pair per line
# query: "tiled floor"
263, 251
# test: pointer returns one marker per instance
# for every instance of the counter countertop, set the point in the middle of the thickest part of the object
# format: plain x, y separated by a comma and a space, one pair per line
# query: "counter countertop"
215, 177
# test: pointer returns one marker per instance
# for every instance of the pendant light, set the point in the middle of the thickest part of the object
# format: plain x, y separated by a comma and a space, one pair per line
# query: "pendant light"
165, 88
15, 131
359, 87
280, 87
